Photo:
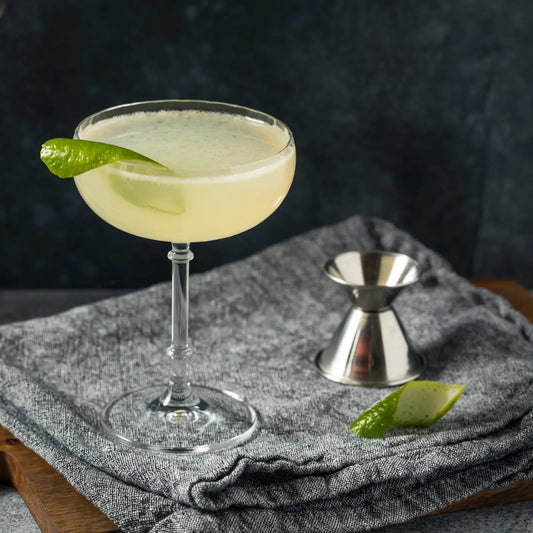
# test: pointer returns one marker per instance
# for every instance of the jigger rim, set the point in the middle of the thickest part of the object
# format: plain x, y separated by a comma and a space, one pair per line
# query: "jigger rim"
331, 264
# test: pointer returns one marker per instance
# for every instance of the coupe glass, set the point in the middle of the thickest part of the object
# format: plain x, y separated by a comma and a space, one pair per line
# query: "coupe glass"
192, 204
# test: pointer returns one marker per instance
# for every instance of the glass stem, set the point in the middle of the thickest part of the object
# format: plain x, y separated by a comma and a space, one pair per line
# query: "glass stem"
179, 387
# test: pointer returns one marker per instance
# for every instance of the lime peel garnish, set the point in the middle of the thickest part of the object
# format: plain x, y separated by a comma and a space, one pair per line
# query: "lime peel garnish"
70, 157
415, 404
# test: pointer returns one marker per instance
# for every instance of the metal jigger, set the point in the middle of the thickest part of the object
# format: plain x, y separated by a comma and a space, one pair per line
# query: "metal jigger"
369, 347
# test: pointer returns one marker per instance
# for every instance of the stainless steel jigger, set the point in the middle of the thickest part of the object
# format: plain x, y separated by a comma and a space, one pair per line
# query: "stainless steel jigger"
369, 347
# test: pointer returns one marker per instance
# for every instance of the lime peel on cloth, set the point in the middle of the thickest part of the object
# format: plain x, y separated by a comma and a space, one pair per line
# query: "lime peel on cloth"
417, 403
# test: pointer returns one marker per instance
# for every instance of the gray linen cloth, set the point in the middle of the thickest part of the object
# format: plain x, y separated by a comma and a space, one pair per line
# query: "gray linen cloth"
256, 326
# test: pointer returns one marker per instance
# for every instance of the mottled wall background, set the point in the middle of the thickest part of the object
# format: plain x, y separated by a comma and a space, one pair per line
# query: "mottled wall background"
417, 112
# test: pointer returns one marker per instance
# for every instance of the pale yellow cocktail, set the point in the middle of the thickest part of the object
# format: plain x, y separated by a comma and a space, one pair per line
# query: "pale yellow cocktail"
225, 169
226, 173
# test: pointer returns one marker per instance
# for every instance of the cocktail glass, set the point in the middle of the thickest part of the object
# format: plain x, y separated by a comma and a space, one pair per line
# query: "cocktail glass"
197, 198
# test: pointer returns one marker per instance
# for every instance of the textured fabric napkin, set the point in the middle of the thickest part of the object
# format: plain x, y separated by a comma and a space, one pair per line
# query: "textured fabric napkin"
256, 326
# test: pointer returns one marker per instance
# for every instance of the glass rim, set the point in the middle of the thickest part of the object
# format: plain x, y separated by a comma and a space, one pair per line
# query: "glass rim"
146, 169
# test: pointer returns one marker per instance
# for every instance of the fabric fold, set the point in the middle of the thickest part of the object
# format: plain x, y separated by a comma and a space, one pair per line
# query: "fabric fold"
260, 323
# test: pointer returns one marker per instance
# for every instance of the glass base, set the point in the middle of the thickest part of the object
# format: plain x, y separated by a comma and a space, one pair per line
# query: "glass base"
215, 420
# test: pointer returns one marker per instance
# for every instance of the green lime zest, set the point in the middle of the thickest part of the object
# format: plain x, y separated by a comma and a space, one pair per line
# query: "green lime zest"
417, 403
161, 197
377, 420
70, 157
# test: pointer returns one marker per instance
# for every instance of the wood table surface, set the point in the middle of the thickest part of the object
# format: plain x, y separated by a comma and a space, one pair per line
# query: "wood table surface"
58, 508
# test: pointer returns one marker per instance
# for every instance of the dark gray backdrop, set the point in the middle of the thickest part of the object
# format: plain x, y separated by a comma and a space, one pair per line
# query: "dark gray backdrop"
417, 112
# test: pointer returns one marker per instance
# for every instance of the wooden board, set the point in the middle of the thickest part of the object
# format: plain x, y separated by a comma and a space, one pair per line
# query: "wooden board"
58, 508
